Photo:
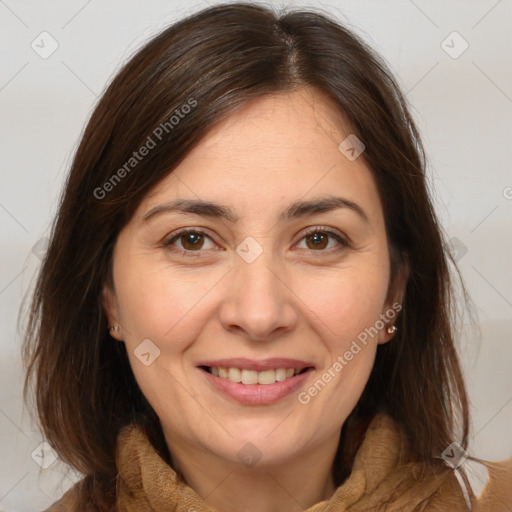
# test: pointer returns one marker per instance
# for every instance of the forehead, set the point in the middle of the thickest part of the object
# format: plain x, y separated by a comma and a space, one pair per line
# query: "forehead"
277, 125
278, 148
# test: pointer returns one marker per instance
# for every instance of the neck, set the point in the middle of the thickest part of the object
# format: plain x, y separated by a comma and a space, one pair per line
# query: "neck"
228, 486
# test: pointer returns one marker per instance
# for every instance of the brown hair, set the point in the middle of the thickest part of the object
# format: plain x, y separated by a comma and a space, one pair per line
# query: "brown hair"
216, 61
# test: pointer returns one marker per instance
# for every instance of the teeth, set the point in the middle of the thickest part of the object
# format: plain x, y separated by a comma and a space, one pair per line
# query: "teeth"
249, 377
244, 376
267, 377
234, 375
280, 374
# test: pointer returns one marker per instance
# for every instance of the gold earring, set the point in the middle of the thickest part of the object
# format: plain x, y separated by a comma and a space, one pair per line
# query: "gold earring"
392, 329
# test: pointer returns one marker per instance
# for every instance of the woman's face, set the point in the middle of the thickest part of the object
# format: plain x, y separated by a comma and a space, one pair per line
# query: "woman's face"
270, 282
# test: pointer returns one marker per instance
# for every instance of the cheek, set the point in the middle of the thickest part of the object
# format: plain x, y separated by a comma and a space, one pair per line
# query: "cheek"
347, 309
157, 303
169, 309
346, 301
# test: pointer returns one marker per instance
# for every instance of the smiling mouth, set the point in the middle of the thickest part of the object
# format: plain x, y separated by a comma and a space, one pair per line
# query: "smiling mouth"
251, 377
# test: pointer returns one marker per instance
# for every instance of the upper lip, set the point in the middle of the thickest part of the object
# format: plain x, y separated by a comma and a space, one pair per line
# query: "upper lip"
250, 364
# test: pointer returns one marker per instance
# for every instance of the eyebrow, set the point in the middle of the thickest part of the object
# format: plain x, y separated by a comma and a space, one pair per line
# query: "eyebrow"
296, 210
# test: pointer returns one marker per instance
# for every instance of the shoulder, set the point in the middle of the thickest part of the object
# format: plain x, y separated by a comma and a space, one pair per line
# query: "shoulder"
491, 484
479, 486
72, 501
68, 502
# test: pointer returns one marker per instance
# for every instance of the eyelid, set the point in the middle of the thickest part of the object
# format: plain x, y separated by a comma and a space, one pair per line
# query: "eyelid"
342, 239
338, 236
167, 243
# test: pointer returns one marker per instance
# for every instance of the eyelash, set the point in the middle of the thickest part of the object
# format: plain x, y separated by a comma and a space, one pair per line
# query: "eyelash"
323, 230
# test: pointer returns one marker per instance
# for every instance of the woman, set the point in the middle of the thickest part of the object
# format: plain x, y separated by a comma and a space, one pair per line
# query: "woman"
245, 304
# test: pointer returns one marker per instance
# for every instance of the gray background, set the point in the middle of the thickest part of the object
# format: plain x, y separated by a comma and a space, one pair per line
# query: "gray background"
463, 107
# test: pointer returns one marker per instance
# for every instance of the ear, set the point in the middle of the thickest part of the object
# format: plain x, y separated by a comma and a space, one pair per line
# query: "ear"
110, 307
394, 300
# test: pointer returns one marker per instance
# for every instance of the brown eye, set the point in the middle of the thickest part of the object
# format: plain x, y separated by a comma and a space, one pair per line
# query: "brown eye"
189, 241
318, 241
192, 241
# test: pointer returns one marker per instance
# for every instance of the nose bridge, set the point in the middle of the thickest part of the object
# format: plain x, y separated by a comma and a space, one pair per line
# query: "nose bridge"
258, 277
258, 302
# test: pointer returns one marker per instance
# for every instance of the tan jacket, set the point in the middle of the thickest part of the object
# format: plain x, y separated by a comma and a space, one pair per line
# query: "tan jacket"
379, 481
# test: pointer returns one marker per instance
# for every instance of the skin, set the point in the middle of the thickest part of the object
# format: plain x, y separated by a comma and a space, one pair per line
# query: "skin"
295, 300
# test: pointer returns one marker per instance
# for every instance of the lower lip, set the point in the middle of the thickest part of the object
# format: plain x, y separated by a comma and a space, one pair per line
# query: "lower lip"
257, 394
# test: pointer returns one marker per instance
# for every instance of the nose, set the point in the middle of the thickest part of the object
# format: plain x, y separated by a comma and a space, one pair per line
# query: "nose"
259, 303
